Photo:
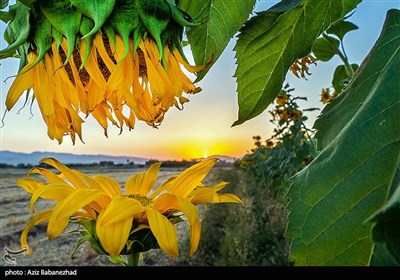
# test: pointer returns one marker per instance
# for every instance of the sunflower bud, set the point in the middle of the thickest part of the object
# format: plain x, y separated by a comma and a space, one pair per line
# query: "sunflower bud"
116, 60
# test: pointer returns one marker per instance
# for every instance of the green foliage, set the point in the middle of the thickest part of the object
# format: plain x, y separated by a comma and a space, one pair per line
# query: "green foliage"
221, 20
289, 149
325, 48
341, 28
270, 42
386, 231
340, 77
243, 235
352, 177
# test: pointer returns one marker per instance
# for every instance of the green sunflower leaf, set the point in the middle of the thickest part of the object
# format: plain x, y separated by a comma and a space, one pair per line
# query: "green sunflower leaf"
351, 179
325, 48
386, 230
340, 77
220, 19
341, 27
270, 42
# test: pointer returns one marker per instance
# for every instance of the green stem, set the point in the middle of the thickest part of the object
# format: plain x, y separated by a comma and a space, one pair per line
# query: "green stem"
134, 259
349, 69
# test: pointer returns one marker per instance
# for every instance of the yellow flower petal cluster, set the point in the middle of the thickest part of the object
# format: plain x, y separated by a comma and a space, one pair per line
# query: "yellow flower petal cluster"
118, 214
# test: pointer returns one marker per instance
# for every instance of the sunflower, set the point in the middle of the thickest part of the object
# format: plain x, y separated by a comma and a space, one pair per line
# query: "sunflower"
326, 95
116, 60
118, 223
282, 99
300, 67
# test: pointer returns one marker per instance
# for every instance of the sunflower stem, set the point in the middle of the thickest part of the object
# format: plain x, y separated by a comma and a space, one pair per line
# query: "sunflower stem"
134, 259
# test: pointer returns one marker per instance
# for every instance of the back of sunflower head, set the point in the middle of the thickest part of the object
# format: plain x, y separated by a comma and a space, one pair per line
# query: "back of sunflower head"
117, 60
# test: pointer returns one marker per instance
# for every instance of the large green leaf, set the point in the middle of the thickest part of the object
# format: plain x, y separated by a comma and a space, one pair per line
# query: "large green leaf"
221, 20
270, 42
386, 230
351, 179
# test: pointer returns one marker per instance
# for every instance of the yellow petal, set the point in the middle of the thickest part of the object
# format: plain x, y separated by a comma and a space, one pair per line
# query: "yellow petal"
92, 66
37, 219
119, 209
54, 191
167, 202
99, 44
75, 180
114, 238
132, 184
29, 185
42, 88
165, 187
108, 185
50, 176
228, 197
164, 231
203, 195
142, 183
65, 208
21, 83
190, 178
114, 223
189, 67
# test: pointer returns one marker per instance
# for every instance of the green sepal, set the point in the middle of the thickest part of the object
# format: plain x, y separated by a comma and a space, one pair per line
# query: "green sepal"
172, 36
97, 10
3, 4
17, 30
138, 33
23, 56
65, 19
141, 239
110, 32
118, 260
27, 3
155, 16
57, 36
79, 242
87, 24
180, 16
124, 19
7, 16
40, 34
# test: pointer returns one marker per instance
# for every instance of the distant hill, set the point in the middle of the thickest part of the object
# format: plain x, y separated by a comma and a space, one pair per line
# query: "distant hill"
15, 158
224, 158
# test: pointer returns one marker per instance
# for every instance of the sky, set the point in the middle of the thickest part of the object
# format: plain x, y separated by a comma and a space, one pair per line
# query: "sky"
204, 127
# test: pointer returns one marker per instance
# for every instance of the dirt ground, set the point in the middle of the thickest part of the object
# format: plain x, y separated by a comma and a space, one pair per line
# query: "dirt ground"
15, 214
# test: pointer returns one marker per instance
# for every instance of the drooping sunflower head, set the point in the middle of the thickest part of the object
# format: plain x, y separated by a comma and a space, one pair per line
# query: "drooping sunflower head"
116, 60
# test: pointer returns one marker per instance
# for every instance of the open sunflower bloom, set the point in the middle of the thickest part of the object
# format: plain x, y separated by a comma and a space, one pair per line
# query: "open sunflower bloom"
118, 222
116, 60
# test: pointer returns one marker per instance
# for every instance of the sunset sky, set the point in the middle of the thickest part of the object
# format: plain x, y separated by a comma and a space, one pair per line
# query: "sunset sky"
203, 128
